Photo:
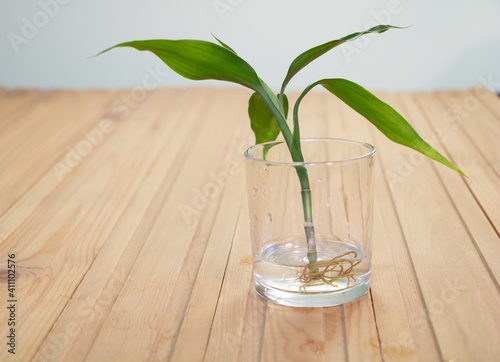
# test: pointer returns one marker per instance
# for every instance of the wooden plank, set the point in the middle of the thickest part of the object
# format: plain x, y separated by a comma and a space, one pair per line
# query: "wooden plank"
405, 332
467, 111
293, 334
334, 334
178, 303
193, 336
26, 165
112, 266
229, 320
484, 237
95, 295
49, 180
462, 152
394, 329
440, 246
73, 252
165, 249
361, 334
15, 104
22, 126
253, 327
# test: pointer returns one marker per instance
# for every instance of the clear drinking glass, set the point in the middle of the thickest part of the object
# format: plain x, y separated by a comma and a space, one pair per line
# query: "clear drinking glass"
341, 182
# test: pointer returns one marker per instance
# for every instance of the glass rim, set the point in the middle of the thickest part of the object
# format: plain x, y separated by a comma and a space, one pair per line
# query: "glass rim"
369, 154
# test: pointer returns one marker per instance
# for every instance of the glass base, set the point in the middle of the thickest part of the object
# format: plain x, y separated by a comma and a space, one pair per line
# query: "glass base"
294, 299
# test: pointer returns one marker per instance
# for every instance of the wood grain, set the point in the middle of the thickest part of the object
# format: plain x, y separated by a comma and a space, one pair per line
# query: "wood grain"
139, 249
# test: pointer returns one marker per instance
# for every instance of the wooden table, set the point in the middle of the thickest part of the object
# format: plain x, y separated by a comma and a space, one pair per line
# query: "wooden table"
127, 248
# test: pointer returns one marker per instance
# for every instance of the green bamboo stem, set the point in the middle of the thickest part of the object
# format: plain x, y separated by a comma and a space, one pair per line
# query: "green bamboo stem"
296, 153
312, 254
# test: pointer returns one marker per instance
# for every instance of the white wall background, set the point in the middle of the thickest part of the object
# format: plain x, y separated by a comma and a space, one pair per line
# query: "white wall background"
452, 43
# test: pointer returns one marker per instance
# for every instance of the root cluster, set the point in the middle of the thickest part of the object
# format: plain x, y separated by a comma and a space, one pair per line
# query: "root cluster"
329, 271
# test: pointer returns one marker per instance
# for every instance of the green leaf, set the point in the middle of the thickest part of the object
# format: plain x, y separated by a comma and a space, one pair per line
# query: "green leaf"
200, 60
380, 114
262, 121
308, 56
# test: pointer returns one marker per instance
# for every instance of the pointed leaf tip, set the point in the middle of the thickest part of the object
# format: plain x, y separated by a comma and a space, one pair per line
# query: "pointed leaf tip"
223, 44
312, 54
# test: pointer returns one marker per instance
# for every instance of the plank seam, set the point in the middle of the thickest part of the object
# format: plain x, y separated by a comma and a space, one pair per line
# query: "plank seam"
376, 327
65, 305
344, 333
263, 329
222, 281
